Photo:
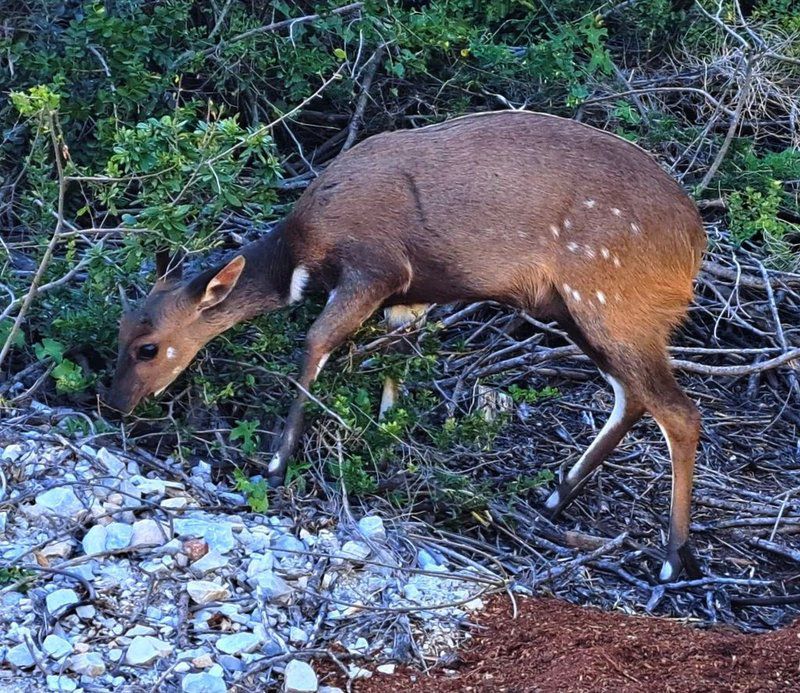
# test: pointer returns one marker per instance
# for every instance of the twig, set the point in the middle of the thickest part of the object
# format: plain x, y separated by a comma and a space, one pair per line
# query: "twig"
48, 253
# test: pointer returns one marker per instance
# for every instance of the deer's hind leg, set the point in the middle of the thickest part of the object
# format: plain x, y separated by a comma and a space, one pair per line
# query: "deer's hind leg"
628, 409
642, 379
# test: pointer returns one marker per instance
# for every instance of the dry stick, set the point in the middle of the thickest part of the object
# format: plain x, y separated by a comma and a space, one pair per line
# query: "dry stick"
48, 253
757, 367
734, 125
773, 547
358, 115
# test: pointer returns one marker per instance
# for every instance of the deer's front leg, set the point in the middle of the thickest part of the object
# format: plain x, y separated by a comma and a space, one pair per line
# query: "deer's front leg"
348, 306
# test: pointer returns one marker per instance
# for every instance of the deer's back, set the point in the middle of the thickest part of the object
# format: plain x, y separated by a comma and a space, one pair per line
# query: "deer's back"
506, 204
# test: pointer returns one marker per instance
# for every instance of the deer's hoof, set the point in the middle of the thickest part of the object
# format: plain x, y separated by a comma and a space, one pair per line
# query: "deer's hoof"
276, 471
679, 562
558, 500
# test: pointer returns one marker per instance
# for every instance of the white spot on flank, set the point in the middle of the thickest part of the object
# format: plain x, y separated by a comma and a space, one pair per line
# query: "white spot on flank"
554, 231
572, 247
577, 472
635, 228
567, 224
605, 252
297, 285
576, 295
171, 353
589, 203
616, 211
601, 297
617, 263
567, 289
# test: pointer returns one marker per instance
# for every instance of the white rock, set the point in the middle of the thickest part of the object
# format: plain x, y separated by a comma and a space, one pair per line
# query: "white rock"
119, 536
205, 591
212, 561
372, 528
20, 656
218, 535
426, 561
149, 486
148, 533
203, 661
299, 677
297, 636
60, 501
56, 647
177, 503
273, 588
387, 669
145, 649
203, 683
86, 611
354, 551
113, 464
238, 643
356, 672
88, 664
12, 452
94, 541
260, 564
60, 599
58, 549
139, 630
360, 646
62, 684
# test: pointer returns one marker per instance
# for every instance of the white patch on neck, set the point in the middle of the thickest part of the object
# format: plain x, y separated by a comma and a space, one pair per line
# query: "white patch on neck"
171, 353
297, 285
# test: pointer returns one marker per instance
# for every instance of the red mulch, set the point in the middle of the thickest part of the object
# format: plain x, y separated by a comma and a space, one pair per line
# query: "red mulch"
556, 646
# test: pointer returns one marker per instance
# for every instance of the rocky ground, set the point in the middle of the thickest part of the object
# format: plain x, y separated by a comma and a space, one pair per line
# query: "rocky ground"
121, 572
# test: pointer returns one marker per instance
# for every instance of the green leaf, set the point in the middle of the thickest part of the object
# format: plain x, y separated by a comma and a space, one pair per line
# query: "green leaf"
339, 53
49, 348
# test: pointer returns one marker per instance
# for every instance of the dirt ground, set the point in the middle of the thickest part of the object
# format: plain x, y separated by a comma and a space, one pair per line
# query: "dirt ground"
556, 646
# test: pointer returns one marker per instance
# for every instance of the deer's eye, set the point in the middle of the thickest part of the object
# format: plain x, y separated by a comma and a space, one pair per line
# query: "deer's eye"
147, 352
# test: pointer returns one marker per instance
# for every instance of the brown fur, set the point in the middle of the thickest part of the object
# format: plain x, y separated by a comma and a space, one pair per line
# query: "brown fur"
532, 210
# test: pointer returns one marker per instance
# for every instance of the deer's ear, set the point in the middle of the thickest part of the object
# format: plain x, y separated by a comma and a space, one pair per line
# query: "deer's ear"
211, 288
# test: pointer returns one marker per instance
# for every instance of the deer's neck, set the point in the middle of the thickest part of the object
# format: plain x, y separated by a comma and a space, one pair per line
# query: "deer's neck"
266, 282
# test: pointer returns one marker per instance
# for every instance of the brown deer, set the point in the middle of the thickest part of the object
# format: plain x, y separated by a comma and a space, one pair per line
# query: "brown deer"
541, 213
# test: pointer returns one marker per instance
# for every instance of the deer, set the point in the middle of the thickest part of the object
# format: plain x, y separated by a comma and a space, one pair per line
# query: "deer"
544, 214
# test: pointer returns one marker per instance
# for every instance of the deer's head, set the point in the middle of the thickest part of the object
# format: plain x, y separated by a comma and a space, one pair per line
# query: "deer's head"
160, 337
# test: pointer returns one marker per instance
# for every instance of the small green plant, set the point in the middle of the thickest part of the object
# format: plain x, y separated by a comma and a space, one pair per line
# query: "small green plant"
254, 491
8, 576
525, 483
69, 376
246, 431
531, 395
472, 430
352, 473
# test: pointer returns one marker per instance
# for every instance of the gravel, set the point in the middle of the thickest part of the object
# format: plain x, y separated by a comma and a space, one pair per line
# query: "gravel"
160, 577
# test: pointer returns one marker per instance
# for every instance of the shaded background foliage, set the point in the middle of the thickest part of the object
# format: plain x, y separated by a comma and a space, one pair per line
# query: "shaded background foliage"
177, 126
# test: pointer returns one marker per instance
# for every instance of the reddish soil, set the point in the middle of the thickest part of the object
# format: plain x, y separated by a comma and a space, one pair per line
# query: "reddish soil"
555, 646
